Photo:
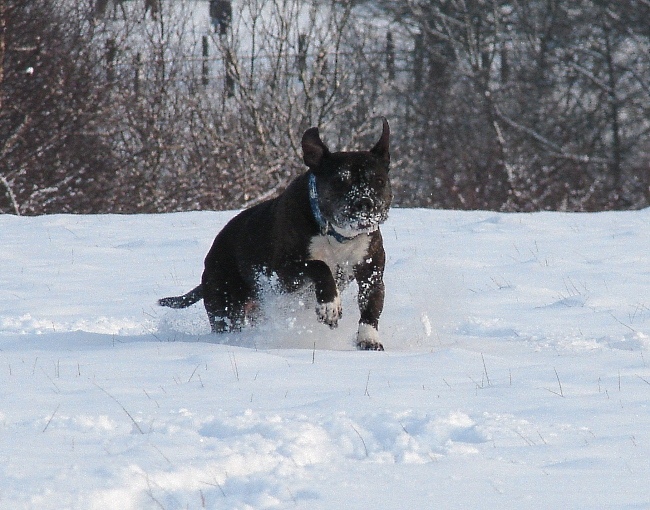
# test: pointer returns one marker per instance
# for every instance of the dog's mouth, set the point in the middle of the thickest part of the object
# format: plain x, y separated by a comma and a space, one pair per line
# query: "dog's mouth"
359, 210
359, 221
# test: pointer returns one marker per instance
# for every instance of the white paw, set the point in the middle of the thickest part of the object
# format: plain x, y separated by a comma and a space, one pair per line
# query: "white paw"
330, 312
368, 338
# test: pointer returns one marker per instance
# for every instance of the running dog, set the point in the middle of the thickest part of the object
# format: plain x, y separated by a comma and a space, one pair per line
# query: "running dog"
323, 231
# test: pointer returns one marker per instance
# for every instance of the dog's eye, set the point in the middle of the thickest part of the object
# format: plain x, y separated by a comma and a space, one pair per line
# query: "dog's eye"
380, 181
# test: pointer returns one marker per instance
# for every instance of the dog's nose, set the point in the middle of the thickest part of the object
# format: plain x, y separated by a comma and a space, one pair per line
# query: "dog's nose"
365, 204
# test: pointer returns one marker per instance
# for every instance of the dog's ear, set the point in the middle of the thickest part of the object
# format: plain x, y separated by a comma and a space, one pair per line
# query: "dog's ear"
381, 148
313, 149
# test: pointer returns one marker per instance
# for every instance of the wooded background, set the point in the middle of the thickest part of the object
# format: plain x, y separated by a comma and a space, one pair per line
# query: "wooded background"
145, 106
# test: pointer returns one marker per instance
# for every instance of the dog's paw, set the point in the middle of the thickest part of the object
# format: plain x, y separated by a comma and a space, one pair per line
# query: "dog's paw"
330, 312
370, 346
368, 339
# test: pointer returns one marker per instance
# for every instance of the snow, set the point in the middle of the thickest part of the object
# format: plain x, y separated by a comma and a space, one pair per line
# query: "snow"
515, 373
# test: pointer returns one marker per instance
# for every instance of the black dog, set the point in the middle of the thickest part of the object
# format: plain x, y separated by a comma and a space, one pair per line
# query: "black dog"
323, 230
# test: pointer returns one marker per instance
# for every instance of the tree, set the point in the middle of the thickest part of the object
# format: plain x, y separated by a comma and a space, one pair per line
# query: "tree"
543, 99
527, 105
51, 145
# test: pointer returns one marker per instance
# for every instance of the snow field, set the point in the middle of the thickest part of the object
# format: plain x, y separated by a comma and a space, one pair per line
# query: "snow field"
516, 371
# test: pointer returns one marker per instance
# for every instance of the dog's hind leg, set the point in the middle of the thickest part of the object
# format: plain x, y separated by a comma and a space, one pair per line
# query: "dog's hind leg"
226, 299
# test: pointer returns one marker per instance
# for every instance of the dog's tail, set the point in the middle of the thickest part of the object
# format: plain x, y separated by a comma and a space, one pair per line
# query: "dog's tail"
196, 294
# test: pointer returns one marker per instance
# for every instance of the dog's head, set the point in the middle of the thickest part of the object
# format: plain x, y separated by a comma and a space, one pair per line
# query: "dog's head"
354, 192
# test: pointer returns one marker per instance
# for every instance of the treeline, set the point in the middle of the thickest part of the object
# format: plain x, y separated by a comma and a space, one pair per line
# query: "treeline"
167, 105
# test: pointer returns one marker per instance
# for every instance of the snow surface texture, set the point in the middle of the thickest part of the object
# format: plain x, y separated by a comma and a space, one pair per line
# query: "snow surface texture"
516, 371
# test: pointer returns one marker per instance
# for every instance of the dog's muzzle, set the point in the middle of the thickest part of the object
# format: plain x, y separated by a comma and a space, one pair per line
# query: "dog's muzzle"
365, 214
364, 205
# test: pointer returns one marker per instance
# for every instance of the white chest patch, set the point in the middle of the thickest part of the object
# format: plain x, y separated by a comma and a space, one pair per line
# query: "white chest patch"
340, 257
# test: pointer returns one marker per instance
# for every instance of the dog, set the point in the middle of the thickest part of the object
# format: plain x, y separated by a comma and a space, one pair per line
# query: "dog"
322, 231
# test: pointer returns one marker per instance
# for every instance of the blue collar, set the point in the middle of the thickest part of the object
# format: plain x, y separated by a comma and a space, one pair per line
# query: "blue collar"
325, 227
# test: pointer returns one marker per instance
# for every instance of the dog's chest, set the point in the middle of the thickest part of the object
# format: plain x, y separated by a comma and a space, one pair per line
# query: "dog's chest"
340, 257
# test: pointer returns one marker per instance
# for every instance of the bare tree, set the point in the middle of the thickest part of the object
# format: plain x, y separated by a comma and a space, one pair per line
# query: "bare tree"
226, 133
51, 147
527, 105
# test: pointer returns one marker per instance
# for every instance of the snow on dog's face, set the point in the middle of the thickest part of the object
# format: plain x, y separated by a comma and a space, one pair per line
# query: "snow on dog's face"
353, 187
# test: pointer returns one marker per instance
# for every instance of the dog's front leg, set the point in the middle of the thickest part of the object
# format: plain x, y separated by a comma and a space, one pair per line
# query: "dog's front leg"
328, 307
370, 278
